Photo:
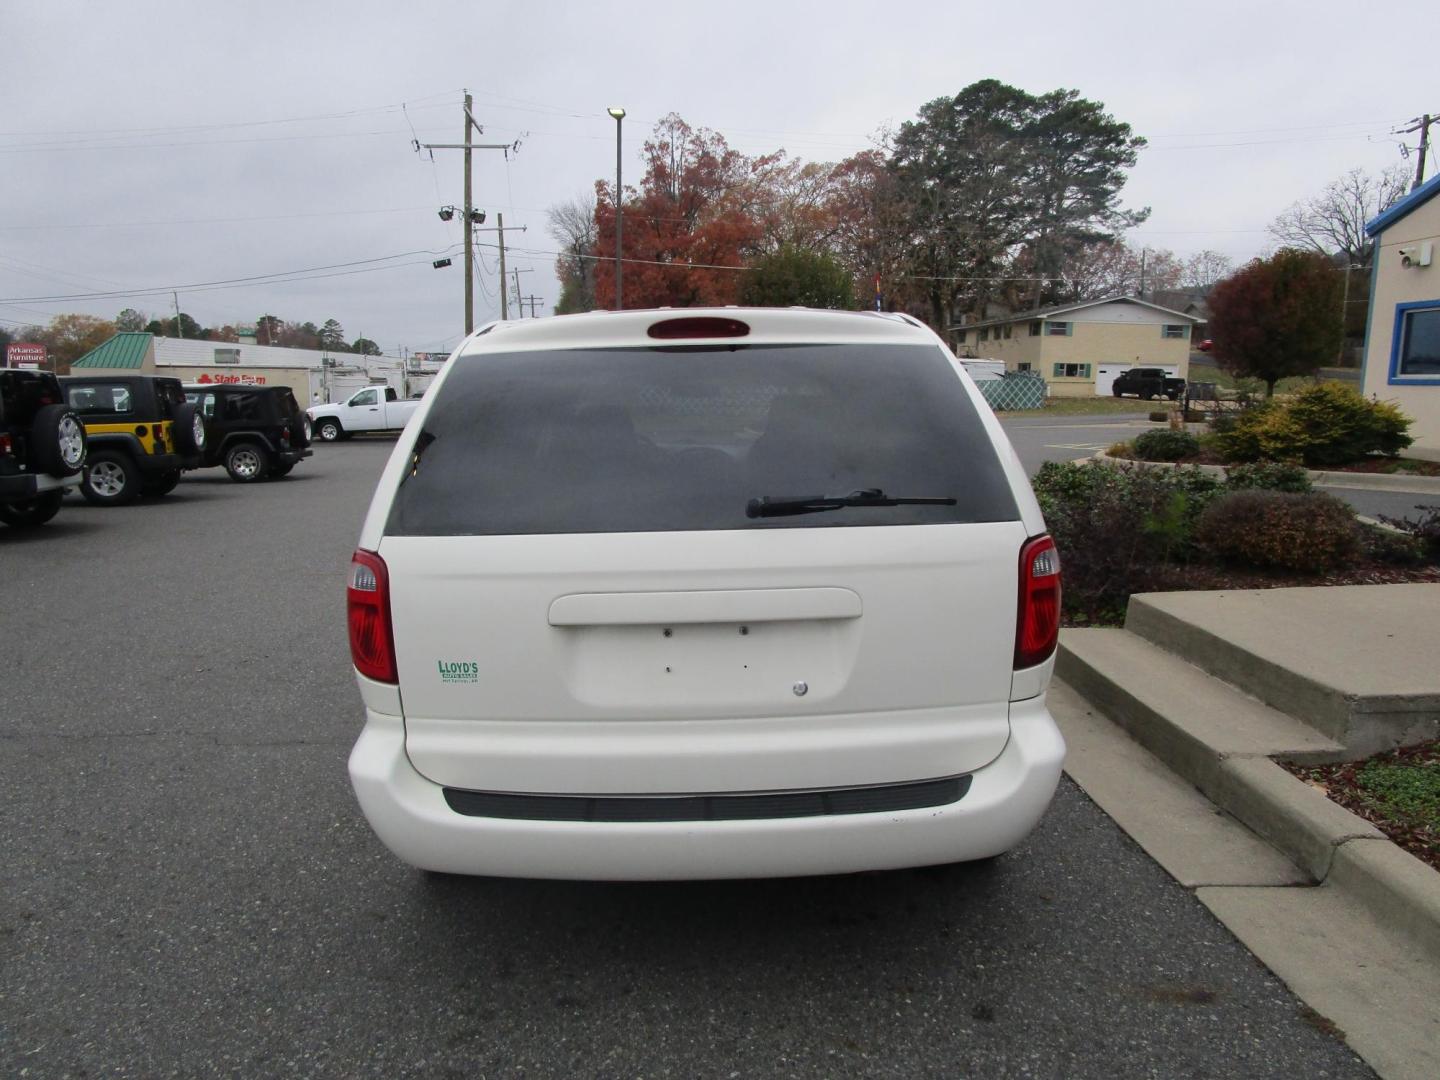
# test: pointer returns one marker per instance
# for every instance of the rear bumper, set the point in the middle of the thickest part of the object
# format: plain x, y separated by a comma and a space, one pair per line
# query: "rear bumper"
22, 486
410, 815
292, 457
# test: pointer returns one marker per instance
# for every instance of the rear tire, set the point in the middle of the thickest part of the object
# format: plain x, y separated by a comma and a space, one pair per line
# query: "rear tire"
31, 513
111, 478
58, 441
247, 462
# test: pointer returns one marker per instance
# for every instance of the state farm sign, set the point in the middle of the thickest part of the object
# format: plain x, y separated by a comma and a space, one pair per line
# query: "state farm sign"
226, 379
24, 354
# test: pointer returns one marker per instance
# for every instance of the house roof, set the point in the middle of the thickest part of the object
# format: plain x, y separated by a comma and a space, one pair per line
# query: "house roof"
1045, 313
1416, 199
124, 350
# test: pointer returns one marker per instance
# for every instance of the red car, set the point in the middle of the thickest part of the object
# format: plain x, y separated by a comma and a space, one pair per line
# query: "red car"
1206, 345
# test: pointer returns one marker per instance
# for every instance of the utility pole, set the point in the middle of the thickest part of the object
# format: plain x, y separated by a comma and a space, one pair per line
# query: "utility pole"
179, 329
501, 228
519, 297
469, 236
1422, 125
468, 145
532, 300
504, 303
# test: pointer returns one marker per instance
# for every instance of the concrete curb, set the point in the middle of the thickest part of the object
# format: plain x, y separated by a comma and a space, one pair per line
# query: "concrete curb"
1325, 840
1418, 485
1398, 888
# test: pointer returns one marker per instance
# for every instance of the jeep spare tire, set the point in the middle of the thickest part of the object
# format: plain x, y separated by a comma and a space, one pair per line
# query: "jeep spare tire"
58, 441
188, 429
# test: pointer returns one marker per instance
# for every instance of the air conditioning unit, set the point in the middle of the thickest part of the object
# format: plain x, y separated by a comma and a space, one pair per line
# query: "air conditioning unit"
1421, 254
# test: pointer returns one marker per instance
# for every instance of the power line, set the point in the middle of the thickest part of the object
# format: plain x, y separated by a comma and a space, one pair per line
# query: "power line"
229, 125
275, 278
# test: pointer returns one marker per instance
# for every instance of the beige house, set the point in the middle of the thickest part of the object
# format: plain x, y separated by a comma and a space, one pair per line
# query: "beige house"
1402, 337
1079, 348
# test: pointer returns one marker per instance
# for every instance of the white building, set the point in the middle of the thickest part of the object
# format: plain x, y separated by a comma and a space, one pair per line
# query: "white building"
315, 375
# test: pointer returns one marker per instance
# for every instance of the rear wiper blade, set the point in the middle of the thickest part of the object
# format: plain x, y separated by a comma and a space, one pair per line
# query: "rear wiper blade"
784, 505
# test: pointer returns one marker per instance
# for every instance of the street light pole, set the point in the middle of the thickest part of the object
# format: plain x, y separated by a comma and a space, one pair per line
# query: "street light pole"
619, 115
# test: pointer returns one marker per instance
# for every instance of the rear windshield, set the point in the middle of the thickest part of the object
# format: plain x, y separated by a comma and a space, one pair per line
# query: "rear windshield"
665, 439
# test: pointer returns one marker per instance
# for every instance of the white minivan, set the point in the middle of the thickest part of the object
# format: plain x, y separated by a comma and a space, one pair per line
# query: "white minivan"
711, 593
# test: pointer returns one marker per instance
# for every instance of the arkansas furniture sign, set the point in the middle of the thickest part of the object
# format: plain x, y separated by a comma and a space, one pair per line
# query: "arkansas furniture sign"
24, 354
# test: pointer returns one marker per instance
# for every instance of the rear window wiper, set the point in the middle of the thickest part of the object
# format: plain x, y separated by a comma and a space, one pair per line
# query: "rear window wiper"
785, 505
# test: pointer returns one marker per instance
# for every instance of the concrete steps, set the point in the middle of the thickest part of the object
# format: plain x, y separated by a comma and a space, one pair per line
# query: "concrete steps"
1342, 660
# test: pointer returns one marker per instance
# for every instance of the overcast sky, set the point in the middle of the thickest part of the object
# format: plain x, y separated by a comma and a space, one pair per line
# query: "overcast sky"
149, 145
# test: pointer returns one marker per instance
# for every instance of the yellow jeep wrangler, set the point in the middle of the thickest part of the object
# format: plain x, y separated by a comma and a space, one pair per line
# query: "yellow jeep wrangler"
141, 431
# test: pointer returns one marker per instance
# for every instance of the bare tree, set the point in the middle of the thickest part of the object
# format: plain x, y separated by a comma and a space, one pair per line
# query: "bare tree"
1333, 222
572, 226
1204, 269
1114, 268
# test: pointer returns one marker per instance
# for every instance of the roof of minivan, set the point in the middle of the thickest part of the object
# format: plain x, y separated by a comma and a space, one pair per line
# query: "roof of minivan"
768, 326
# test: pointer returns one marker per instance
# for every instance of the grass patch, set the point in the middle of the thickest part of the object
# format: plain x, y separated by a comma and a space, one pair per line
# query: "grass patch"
1398, 792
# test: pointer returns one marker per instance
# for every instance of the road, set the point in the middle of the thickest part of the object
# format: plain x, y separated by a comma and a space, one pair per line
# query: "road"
188, 889
1038, 439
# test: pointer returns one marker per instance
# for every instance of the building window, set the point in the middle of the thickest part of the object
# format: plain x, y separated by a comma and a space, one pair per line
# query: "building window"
1416, 351
1072, 371
1035, 329
985, 334
1022, 367
1007, 332
960, 337
1057, 329
1170, 330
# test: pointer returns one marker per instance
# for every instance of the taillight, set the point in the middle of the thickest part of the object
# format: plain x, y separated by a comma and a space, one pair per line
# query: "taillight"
1038, 627
367, 602
6, 446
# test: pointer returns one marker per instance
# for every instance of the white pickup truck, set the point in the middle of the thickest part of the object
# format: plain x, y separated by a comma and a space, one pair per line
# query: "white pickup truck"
376, 408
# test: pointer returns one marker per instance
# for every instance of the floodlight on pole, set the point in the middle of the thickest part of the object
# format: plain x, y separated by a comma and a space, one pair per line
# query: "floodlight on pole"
619, 114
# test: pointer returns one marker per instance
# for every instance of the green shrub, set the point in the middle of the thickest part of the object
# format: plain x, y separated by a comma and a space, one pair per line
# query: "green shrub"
1120, 529
1269, 475
1322, 425
1166, 445
1309, 533
1389, 546
1425, 529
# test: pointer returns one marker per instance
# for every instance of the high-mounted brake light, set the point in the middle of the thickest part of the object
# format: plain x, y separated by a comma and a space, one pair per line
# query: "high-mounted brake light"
367, 602
698, 326
1037, 628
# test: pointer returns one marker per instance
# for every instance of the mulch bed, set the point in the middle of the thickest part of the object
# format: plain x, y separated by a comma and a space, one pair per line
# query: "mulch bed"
1341, 783
1392, 466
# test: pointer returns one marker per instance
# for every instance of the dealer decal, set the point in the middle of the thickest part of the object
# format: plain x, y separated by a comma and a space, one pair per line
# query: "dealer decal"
458, 671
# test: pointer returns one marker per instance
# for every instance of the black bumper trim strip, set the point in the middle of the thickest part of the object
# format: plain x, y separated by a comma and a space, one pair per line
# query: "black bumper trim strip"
780, 804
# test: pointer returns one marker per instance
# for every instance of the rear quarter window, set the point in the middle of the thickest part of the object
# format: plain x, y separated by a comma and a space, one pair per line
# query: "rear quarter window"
667, 438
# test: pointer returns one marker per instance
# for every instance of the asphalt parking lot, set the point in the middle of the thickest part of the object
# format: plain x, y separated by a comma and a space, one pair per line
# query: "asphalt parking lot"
187, 888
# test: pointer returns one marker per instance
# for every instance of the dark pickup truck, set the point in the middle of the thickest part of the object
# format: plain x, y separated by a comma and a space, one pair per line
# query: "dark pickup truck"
1148, 382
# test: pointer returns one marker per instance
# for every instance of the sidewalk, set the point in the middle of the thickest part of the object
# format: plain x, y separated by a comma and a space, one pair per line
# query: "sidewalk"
1173, 724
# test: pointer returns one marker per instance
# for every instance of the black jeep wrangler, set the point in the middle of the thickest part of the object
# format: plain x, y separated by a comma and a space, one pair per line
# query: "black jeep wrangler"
142, 432
255, 431
42, 447
1148, 382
